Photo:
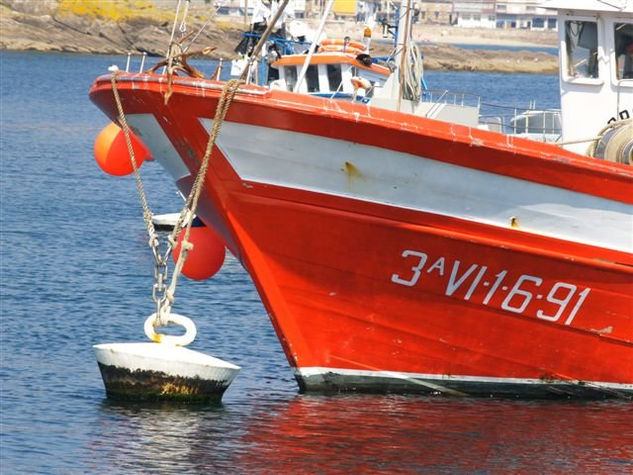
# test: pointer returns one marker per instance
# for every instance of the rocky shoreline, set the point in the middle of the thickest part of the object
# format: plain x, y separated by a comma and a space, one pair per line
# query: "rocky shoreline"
40, 25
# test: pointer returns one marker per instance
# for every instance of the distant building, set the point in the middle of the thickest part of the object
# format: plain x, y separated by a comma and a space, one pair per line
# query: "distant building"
524, 14
433, 11
474, 14
503, 14
464, 13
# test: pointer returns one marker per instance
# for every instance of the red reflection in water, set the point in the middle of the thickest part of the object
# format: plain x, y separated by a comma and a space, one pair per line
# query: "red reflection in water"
399, 434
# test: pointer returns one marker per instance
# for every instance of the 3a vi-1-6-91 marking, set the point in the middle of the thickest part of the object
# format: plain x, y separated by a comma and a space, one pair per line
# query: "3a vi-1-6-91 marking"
520, 290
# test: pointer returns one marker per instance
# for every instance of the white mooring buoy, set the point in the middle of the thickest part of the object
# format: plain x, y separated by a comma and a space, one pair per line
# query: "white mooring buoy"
163, 371
165, 222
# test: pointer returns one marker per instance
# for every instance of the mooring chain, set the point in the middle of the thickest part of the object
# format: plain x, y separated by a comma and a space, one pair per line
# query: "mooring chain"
228, 93
160, 262
162, 294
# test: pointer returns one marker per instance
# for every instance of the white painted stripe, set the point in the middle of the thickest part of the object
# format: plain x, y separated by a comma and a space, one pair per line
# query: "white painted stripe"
318, 164
440, 378
168, 359
152, 134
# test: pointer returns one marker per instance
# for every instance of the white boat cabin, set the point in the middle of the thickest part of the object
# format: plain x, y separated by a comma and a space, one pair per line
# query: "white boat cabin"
596, 66
595, 70
330, 74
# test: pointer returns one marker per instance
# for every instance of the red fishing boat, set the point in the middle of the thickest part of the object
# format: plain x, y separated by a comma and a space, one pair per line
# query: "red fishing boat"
396, 249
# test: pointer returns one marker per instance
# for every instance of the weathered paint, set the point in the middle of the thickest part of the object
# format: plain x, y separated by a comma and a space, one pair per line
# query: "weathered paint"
145, 385
547, 387
154, 371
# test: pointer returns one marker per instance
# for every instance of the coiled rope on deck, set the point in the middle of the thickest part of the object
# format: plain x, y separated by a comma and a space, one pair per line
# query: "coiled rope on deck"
162, 295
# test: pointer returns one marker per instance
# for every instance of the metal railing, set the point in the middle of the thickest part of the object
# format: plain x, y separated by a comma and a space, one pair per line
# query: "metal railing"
457, 98
539, 124
129, 60
536, 123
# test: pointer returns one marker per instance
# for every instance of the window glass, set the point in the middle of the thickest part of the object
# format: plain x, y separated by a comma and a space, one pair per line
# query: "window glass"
581, 38
312, 78
290, 75
334, 76
624, 50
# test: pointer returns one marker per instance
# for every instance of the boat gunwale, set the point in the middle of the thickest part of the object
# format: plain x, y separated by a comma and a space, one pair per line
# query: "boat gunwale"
533, 154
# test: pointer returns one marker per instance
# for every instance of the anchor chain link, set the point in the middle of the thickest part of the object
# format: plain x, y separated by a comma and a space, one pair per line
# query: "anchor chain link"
162, 294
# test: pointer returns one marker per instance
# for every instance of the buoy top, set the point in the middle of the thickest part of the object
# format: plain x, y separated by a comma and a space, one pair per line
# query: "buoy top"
169, 359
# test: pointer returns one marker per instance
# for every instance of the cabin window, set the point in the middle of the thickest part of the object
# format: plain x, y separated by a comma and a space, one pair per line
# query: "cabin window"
312, 78
581, 38
624, 50
334, 76
290, 76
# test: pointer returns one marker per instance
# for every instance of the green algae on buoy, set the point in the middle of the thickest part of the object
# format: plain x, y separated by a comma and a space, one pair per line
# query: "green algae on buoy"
160, 371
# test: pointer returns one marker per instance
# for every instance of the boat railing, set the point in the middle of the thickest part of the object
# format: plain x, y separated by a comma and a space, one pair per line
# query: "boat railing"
128, 61
456, 98
543, 124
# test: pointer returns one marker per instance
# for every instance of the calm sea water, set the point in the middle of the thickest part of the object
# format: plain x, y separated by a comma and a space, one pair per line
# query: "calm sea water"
76, 271
537, 49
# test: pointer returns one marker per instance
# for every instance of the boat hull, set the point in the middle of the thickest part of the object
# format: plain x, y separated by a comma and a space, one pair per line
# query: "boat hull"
409, 255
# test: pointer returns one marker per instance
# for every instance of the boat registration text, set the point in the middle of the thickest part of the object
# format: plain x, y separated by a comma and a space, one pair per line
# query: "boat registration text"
523, 294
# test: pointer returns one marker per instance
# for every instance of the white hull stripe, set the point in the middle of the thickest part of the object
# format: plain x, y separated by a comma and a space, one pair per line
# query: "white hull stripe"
438, 379
371, 174
152, 134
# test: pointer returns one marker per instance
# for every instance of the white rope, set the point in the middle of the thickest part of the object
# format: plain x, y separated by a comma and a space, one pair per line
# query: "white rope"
412, 74
183, 24
173, 30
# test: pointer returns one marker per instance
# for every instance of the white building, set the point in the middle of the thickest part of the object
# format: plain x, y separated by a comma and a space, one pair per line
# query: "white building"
474, 14
503, 14
524, 14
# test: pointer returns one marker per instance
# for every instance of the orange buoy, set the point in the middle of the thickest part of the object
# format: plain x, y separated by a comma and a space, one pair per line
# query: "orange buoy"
206, 257
111, 151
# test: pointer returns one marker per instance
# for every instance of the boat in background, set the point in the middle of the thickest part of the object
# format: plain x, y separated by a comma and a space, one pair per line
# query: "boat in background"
402, 245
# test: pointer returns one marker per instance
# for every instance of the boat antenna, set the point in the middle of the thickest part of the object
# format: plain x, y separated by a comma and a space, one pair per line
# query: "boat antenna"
313, 46
262, 40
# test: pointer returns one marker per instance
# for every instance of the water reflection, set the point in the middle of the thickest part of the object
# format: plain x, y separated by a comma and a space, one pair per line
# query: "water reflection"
371, 433
155, 437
